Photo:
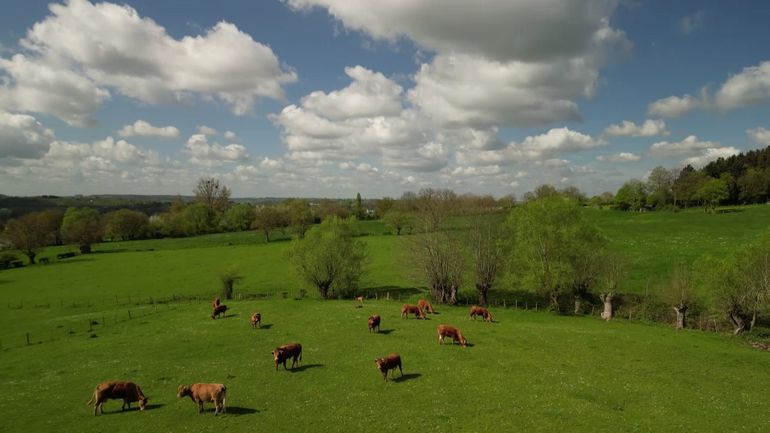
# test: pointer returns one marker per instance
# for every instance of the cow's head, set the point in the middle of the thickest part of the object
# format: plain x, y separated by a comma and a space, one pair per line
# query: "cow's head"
461, 337
380, 363
143, 402
277, 354
182, 391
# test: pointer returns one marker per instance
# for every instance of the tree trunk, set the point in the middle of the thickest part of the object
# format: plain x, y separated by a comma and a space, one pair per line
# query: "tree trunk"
267, 236
740, 322
31, 255
398, 231
482, 294
85, 249
323, 289
578, 303
681, 316
554, 297
607, 300
453, 295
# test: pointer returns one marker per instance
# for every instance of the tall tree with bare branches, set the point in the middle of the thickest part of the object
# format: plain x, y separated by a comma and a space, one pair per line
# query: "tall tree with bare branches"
487, 249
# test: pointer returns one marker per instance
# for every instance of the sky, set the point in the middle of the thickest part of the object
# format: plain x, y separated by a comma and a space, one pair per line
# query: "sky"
327, 98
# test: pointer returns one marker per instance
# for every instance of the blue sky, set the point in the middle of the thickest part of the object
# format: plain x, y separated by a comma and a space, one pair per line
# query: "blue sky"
332, 97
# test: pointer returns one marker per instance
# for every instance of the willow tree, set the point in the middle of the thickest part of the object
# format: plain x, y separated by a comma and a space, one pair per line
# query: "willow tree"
551, 238
486, 245
331, 257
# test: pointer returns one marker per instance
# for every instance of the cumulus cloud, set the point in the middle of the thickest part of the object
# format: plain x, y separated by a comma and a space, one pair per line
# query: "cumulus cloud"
619, 157
204, 153
674, 106
142, 128
750, 87
520, 63
759, 135
82, 49
709, 155
206, 130
230, 135
627, 128
538, 148
23, 136
689, 145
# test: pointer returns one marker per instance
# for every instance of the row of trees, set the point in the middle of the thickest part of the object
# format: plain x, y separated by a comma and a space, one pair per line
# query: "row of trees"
739, 179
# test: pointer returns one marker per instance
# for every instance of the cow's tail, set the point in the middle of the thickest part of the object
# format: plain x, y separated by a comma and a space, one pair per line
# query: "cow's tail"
93, 399
224, 398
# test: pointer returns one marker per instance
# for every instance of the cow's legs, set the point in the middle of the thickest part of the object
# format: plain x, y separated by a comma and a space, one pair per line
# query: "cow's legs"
399, 369
200, 406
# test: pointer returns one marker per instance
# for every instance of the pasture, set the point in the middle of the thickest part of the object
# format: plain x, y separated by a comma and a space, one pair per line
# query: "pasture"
528, 371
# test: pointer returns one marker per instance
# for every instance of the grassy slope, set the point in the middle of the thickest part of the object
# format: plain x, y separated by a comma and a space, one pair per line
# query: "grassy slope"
528, 372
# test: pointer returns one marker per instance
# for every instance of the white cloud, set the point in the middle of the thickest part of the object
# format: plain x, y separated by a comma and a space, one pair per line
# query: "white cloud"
711, 154
230, 135
23, 136
692, 22
369, 94
619, 157
144, 129
689, 145
203, 153
533, 148
205, 130
84, 48
759, 135
519, 63
674, 106
649, 128
750, 87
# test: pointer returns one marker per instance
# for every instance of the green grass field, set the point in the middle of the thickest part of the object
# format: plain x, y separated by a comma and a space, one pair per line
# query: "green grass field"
528, 372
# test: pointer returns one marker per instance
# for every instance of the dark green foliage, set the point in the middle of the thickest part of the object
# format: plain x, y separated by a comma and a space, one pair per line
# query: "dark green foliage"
82, 227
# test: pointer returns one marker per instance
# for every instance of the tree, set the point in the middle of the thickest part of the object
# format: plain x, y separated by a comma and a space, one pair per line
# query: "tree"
548, 233
712, 192
269, 217
486, 245
613, 271
82, 227
382, 206
228, 278
330, 257
436, 257
586, 260
327, 208
687, 184
126, 224
399, 220
29, 234
754, 186
214, 195
300, 216
51, 220
240, 216
631, 196
359, 210
434, 206
659, 187
679, 292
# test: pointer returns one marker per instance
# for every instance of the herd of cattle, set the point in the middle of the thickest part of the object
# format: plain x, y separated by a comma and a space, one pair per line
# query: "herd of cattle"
216, 393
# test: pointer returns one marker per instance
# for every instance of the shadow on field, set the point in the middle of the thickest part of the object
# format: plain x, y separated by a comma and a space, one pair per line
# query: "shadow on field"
266, 326
117, 250
302, 368
237, 411
132, 409
386, 331
406, 377
153, 406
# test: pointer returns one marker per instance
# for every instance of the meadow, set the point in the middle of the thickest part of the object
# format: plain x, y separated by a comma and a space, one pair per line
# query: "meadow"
529, 371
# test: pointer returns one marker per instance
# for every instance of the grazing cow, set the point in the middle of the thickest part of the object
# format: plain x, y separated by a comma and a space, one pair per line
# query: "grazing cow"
374, 322
256, 320
203, 392
360, 300
452, 332
215, 303
425, 306
129, 392
480, 311
218, 310
387, 363
282, 353
407, 309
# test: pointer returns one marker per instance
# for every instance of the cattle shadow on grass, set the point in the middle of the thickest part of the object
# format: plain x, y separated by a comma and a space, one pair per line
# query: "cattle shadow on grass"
132, 409
385, 331
302, 368
238, 411
406, 377
265, 326
153, 406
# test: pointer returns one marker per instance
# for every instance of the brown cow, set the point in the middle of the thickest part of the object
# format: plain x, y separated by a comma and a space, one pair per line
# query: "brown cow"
256, 320
374, 322
452, 332
360, 300
387, 363
425, 306
129, 392
407, 309
218, 310
215, 303
203, 392
480, 311
282, 353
